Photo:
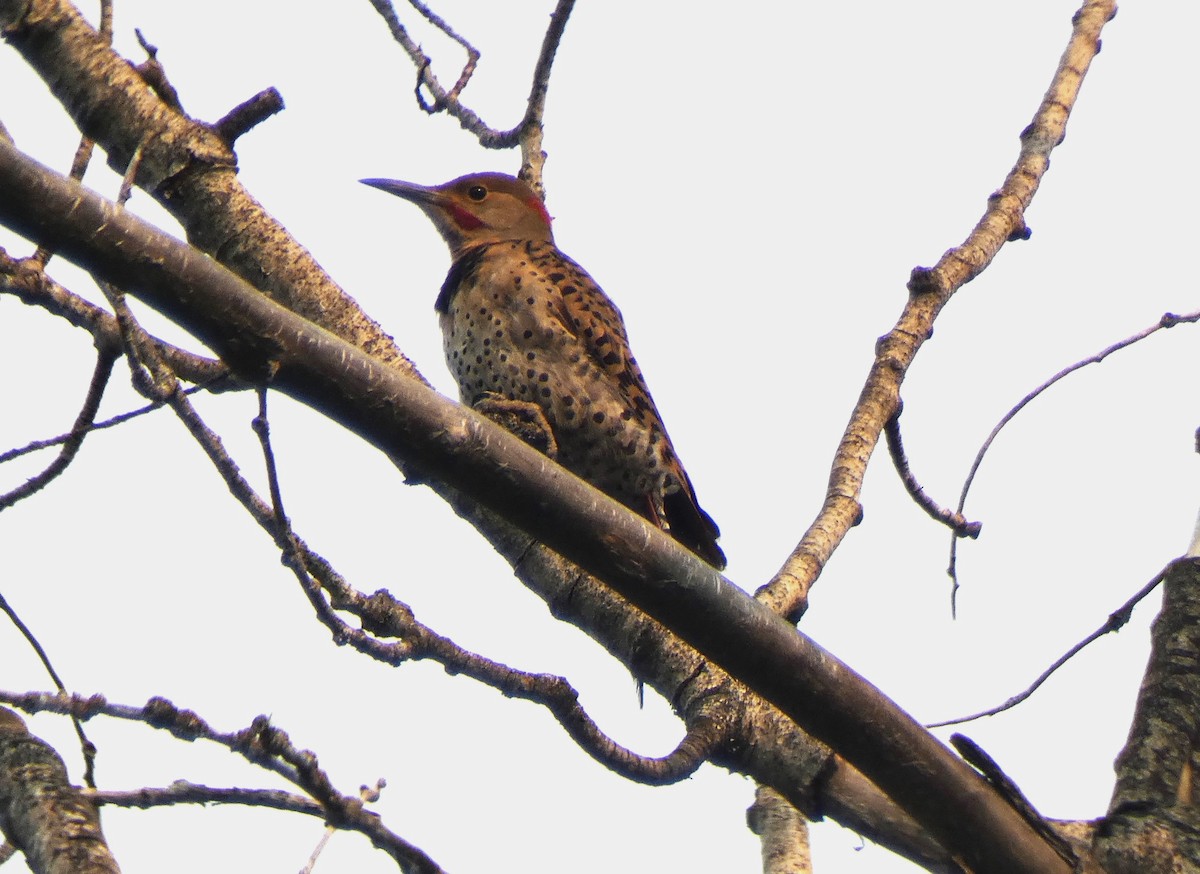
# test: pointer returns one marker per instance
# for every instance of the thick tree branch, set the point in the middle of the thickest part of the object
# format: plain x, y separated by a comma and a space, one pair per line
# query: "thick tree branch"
52, 823
405, 418
930, 289
782, 831
186, 165
1153, 819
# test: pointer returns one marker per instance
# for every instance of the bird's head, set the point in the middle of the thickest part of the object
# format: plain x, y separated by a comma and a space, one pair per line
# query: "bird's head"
477, 209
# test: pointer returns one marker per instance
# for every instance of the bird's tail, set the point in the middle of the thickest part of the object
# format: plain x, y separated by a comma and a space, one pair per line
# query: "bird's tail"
690, 525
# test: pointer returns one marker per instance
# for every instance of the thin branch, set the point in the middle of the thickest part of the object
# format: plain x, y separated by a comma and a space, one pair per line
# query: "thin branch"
87, 748
956, 521
25, 280
1115, 622
1167, 320
930, 289
527, 132
472, 53
260, 425
105, 359
184, 792
120, 419
261, 743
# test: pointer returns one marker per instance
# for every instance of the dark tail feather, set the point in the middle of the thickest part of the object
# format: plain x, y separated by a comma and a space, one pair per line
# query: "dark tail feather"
692, 527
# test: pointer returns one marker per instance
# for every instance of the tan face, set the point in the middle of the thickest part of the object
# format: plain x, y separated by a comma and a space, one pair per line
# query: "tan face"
477, 209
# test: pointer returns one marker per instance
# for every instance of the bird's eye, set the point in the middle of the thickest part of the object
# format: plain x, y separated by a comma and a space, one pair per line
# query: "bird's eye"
477, 192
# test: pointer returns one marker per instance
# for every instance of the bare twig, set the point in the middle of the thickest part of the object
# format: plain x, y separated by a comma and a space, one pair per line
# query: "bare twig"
930, 289
528, 131
184, 792
1167, 320
956, 521
105, 358
261, 743
472, 53
87, 748
1115, 622
24, 279
262, 429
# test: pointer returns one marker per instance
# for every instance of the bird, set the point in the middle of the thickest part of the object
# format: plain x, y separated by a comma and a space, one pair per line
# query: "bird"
535, 343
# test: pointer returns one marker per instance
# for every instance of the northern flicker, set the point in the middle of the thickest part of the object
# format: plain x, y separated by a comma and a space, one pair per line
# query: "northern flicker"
525, 328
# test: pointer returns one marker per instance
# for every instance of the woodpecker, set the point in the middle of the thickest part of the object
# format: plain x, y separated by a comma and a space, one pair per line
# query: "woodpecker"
529, 336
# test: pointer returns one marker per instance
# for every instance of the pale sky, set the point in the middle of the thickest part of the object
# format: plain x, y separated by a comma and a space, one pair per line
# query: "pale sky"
753, 192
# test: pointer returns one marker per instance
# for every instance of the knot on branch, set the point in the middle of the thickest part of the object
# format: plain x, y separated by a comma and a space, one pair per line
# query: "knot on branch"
925, 280
183, 724
248, 115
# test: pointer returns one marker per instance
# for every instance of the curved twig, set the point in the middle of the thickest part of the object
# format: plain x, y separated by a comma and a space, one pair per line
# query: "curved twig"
382, 615
105, 359
528, 131
930, 290
955, 521
468, 69
1168, 320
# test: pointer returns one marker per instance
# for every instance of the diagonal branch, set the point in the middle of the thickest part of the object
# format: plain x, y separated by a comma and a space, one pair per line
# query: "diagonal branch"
105, 359
930, 289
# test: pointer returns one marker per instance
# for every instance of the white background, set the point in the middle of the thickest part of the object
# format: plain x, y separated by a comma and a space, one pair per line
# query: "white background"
752, 187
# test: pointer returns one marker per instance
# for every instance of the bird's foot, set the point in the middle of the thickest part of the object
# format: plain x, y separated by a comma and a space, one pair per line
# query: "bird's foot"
523, 418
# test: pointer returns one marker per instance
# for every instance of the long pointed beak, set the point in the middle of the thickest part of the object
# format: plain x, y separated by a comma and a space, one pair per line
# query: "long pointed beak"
408, 190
